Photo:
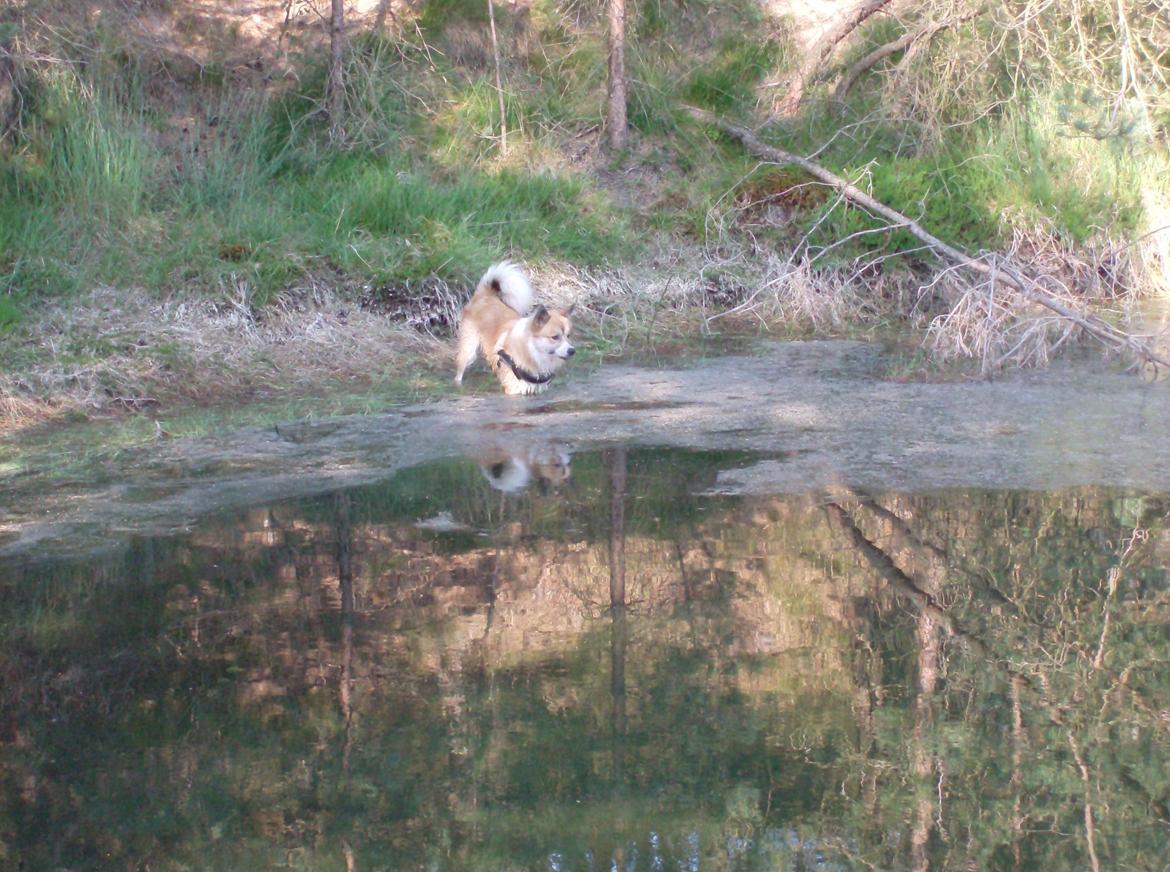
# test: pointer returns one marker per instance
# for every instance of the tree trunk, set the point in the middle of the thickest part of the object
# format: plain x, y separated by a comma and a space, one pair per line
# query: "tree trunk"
618, 459
616, 117
499, 82
336, 87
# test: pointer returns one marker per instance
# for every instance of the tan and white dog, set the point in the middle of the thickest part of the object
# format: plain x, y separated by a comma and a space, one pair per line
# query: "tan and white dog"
513, 468
524, 346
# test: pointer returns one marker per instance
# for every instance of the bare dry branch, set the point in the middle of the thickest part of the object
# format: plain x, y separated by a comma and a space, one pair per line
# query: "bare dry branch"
821, 51
923, 34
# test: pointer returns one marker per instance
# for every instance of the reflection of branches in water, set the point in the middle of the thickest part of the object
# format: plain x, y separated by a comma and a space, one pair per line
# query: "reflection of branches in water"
1114, 576
899, 580
1078, 725
927, 765
1090, 825
1019, 737
910, 589
902, 530
513, 730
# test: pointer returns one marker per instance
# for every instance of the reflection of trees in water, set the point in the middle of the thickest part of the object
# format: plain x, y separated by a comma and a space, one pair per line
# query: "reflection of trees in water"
1040, 646
327, 685
618, 459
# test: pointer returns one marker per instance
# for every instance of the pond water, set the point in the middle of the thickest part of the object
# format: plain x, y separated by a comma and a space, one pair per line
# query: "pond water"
594, 660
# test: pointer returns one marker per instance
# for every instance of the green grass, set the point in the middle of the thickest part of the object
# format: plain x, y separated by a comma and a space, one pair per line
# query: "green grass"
100, 189
728, 81
257, 197
1024, 168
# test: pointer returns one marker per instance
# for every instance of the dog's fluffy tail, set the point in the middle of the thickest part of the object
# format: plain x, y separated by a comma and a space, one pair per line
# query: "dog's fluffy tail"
507, 280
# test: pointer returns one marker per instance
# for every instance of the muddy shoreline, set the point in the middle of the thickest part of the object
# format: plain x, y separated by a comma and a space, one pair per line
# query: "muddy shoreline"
816, 413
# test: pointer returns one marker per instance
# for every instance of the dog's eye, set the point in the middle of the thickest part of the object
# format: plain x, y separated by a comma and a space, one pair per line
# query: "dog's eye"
557, 337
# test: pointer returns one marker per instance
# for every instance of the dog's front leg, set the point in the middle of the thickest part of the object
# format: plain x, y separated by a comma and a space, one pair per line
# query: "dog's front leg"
468, 346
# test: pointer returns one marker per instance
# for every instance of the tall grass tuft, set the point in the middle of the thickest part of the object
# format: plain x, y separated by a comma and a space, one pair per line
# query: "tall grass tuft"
96, 153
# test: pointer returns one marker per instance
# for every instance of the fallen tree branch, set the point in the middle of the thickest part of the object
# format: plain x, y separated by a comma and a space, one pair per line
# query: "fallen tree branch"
1003, 272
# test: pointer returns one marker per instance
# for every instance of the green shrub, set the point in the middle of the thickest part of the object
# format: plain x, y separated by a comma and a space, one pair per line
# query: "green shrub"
435, 14
972, 187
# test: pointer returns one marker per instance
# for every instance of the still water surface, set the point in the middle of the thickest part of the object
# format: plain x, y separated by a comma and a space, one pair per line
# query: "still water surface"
595, 662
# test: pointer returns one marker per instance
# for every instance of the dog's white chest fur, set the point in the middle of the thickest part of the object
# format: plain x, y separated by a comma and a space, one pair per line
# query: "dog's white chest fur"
514, 386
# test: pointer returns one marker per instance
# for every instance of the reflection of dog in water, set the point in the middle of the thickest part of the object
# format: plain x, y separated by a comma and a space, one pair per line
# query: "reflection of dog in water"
512, 470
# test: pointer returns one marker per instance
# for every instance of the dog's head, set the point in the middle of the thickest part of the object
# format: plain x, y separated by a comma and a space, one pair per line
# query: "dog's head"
550, 331
553, 467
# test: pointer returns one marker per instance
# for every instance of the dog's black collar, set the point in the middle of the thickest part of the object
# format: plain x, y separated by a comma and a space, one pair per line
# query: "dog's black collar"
521, 373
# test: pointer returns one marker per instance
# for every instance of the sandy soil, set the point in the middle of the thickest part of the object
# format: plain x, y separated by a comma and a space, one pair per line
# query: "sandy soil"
815, 411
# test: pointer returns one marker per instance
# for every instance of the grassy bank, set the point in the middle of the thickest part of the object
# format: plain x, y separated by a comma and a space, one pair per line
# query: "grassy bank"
194, 170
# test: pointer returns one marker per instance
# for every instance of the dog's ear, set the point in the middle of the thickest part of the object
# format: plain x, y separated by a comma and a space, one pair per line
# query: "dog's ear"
539, 317
569, 311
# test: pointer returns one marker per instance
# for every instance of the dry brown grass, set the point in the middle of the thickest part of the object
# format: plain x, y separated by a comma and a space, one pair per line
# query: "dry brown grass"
991, 322
958, 317
113, 351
